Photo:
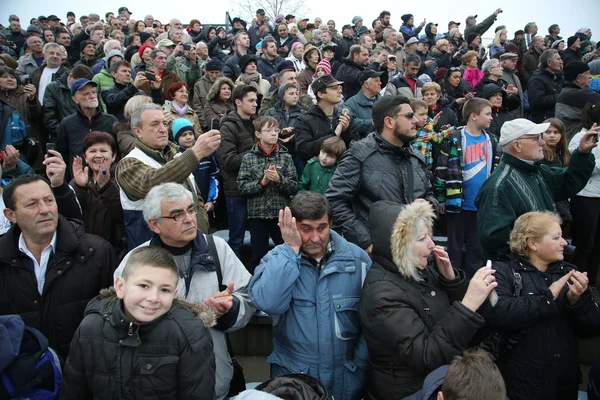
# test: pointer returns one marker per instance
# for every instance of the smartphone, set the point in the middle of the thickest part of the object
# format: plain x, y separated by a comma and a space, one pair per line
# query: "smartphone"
150, 76
50, 146
26, 81
187, 46
167, 106
493, 296
214, 124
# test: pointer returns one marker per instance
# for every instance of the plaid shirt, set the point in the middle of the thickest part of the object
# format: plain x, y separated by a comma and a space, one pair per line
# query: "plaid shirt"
425, 137
264, 202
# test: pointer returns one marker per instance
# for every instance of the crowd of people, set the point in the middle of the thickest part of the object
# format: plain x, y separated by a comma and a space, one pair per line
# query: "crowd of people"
125, 143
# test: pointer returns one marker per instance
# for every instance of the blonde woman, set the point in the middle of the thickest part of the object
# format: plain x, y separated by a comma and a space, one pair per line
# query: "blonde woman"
497, 46
543, 305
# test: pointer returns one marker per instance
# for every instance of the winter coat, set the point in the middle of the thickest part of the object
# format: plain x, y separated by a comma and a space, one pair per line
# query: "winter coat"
82, 264
569, 106
413, 319
185, 70
200, 283
360, 109
397, 86
268, 68
305, 79
201, 89
426, 138
448, 116
265, 201
288, 42
73, 129
349, 73
214, 107
286, 118
29, 109
190, 115
291, 386
314, 307
126, 139
118, 95
530, 65
167, 79
442, 59
544, 88
568, 56
171, 356
543, 364
105, 81
592, 189
481, 27
305, 101
510, 77
449, 172
26, 68
58, 105
101, 208
315, 177
511, 103
237, 138
371, 170
262, 85
231, 69
516, 187
500, 116
409, 31
313, 128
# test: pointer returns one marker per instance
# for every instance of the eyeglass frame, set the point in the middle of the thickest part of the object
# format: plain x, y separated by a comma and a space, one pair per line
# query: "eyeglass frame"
192, 210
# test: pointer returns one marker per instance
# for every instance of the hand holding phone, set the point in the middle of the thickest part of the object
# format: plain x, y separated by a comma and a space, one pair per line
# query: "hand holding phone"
50, 146
214, 124
493, 296
150, 76
167, 106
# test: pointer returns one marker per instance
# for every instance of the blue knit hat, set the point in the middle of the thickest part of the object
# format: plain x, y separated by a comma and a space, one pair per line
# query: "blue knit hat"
181, 125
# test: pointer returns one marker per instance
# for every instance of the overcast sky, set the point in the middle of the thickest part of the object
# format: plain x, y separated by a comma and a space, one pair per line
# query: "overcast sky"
569, 15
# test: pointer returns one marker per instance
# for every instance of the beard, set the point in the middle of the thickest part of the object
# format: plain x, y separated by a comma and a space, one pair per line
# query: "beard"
92, 104
404, 135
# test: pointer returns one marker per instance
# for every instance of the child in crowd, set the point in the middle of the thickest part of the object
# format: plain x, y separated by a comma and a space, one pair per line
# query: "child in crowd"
268, 178
319, 170
205, 175
138, 340
323, 68
426, 136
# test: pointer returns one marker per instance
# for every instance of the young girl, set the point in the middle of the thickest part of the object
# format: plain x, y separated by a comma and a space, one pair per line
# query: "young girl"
323, 68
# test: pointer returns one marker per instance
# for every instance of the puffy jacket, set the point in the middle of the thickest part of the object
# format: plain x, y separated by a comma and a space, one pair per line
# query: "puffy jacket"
201, 283
268, 68
26, 67
105, 81
530, 64
231, 69
450, 168
568, 56
73, 129
408, 31
171, 356
286, 118
201, 89
214, 108
544, 88
237, 138
315, 177
448, 116
543, 364
569, 106
265, 202
398, 86
116, 97
82, 264
411, 327
592, 189
314, 306
511, 103
371, 170
360, 109
58, 105
516, 187
349, 73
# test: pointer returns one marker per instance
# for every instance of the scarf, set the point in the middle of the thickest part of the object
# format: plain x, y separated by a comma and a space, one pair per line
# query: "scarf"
180, 110
251, 79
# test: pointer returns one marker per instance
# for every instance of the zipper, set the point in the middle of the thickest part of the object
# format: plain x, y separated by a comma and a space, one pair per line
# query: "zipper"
130, 331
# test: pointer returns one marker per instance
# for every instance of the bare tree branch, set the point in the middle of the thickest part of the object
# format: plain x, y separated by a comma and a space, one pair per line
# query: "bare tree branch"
247, 10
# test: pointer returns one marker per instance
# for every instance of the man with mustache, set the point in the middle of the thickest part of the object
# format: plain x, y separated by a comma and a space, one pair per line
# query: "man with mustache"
88, 118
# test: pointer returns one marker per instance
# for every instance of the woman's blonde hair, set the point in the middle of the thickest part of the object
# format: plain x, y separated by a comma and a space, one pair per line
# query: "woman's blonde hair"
469, 55
532, 225
133, 103
497, 37
432, 86
441, 43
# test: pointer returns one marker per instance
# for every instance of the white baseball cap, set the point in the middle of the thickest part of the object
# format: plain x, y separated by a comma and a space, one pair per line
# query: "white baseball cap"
513, 130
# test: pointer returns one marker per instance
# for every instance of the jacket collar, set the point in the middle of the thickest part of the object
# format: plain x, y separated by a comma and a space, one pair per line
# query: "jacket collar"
201, 257
85, 118
519, 164
160, 156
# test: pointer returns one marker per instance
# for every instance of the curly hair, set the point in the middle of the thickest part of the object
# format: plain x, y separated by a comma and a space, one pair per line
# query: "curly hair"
532, 225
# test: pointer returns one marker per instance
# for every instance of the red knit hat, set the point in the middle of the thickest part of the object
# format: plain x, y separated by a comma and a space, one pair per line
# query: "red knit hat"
144, 47
325, 65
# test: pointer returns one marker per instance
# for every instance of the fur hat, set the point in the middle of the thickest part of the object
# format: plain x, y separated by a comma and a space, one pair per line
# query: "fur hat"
404, 232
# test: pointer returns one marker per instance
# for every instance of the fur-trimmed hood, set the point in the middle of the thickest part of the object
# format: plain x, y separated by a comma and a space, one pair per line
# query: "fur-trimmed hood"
213, 93
393, 228
202, 311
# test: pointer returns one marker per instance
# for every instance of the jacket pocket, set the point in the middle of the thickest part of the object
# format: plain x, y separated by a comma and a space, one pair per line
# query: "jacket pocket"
347, 325
282, 365
372, 182
158, 375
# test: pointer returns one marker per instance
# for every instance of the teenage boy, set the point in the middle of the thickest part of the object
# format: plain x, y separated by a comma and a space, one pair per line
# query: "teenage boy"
426, 136
268, 178
161, 345
467, 157
319, 170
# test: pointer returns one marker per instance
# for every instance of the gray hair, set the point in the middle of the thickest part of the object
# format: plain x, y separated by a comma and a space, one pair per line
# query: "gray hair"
168, 192
49, 45
172, 31
489, 64
546, 56
412, 59
387, 32
109, 43
136, 118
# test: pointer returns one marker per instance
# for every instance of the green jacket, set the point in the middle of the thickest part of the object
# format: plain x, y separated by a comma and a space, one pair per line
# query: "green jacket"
189, 74
516, 188
315, 177
105, 81
265, 202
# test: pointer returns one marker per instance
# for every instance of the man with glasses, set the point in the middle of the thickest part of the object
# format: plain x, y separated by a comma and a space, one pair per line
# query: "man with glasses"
521, 184
170, 211
574, 96
153, 162
380, 167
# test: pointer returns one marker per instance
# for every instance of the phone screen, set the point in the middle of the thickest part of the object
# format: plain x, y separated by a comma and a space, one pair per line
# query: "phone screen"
214, 124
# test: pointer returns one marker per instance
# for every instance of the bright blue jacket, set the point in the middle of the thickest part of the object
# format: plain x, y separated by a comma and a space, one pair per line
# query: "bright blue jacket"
316, 328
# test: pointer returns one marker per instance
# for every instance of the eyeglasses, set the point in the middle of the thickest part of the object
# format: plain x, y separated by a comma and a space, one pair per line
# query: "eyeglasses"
408, 116
274, 130
179, 215
537, 138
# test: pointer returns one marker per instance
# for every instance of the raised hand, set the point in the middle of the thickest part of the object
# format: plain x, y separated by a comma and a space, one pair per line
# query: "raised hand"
558, 286
578, 286
480, 286
55, 168
289, 230
207, 143
444, 266
80, 174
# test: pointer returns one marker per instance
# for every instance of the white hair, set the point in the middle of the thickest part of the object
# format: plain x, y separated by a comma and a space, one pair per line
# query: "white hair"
168, 192
108, 44
49, 45
136, 117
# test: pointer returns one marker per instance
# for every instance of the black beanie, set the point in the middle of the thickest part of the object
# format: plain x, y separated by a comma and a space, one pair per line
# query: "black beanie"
246, 59
470, 37
144, 36
572, 40
575, 68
